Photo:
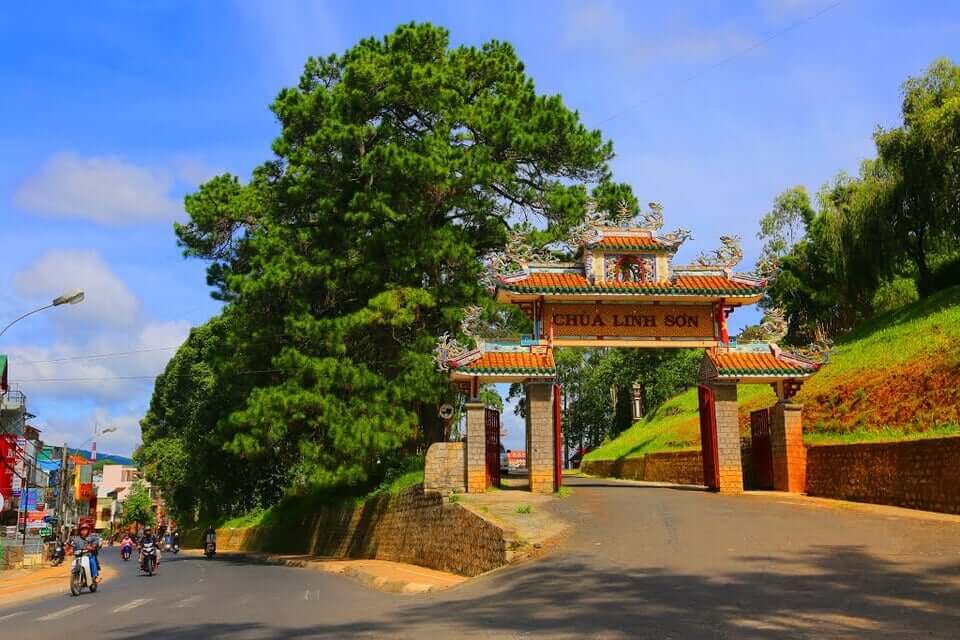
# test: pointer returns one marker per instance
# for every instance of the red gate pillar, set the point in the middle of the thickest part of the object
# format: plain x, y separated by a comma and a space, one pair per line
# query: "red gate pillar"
708, 437
786, 443
541, 456
476, 447
720, 438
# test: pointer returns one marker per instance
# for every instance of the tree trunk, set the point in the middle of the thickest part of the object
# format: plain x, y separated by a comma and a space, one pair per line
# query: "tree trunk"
432, 425
924, 277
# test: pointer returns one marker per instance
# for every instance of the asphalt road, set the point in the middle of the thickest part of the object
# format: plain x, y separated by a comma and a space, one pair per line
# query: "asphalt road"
644, 562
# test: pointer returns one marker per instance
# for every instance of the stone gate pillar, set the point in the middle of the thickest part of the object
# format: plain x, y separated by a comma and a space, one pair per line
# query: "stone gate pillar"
541, 456
728, 437
786, 442
476, 447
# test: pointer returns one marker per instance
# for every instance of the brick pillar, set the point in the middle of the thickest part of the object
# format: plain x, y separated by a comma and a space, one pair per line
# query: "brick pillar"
540, 454
728, 438
786, 441
476, 447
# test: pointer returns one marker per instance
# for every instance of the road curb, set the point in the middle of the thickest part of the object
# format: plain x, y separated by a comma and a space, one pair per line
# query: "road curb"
339, 566
26, 593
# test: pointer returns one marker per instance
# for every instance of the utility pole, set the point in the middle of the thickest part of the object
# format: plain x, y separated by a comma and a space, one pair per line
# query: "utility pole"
62, 501
25, 497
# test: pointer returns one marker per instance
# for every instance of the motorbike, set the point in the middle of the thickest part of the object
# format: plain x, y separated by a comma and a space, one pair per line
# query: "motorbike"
125, 551
149, 563
80, 573
209, 548
59, 554
175, 547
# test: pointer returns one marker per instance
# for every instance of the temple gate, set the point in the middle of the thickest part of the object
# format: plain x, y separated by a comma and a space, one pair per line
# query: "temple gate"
624, 291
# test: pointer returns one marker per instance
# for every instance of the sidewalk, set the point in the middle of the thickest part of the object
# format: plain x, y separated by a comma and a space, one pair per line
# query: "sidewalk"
383, 575
17, 585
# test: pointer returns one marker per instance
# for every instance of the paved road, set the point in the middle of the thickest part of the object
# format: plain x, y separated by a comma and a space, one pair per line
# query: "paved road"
645, 562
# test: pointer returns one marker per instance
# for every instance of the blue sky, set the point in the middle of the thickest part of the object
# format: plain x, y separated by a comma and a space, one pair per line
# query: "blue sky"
108, 117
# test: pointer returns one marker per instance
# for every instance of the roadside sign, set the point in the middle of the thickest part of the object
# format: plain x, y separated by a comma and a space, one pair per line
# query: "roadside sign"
45, 531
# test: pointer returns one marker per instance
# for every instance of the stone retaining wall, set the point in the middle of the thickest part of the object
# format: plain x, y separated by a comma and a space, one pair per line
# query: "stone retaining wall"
445, 469
681, 467
415, 526
921, 474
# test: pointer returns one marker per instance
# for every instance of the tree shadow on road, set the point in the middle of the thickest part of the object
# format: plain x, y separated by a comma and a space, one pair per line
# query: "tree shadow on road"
827, 592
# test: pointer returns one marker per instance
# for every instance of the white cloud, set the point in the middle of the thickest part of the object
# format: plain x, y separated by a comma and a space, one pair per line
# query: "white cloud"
77, 431
109, 303
782, 10
79, 370
105, 189
605, 27
287, 33
193, 171
110, 320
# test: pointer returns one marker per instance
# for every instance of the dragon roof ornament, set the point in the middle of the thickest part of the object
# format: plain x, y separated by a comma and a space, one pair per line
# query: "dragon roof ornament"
773, 325
447, 349
727, 256
597, 221
513, 260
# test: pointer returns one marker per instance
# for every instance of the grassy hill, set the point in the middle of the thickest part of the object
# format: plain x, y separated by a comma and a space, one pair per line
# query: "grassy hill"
895, 377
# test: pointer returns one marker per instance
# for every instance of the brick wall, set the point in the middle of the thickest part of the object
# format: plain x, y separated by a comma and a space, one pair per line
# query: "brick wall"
445, 469
728, 438
540, 455
922, 474
681, 467
415, 526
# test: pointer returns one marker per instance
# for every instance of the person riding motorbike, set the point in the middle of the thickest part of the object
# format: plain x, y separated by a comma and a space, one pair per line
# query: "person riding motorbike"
90, 542
149, 537
210, 541
175, 540
126, 544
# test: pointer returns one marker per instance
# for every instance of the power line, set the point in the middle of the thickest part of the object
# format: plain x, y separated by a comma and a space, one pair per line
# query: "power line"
100, 356
730, 58
138, 377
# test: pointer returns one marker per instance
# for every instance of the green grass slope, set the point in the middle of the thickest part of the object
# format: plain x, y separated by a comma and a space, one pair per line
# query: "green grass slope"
895, 377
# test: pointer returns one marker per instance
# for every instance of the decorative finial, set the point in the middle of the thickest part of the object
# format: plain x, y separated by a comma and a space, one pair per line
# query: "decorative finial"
447, 349
728, 255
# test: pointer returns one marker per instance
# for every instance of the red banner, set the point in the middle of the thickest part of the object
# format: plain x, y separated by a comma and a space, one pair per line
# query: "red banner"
8, 460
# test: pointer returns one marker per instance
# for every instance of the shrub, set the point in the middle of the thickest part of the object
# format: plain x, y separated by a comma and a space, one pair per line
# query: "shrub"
894, 293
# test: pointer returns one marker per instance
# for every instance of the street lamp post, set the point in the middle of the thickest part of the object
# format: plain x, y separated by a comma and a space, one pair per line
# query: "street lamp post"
72, 297
96, 432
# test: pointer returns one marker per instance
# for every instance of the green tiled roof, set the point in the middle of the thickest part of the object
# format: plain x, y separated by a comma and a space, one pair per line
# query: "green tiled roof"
780, 371
726, 291
510, 370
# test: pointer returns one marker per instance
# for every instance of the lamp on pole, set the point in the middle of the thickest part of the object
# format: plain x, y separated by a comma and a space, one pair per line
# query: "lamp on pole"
72, 297
96, 432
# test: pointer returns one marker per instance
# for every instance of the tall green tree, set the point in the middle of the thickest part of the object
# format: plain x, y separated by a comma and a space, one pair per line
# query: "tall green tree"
137, 506
786, 223
400, 163
921, 201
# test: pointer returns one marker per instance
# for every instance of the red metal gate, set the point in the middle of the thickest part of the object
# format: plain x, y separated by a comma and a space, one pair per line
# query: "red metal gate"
761, 452
708, 438
492, 428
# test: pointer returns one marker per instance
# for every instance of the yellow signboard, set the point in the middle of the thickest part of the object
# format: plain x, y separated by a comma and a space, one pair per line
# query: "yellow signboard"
629, 320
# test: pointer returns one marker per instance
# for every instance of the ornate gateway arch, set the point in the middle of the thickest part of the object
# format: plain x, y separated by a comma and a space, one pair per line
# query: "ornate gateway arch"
623, 290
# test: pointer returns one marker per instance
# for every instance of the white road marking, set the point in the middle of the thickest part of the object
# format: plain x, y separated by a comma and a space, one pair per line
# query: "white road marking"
63, 613
133, 604
187, 602
12, 615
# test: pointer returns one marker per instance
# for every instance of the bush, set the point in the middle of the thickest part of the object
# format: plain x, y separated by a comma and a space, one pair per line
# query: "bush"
947, 273
895, 293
